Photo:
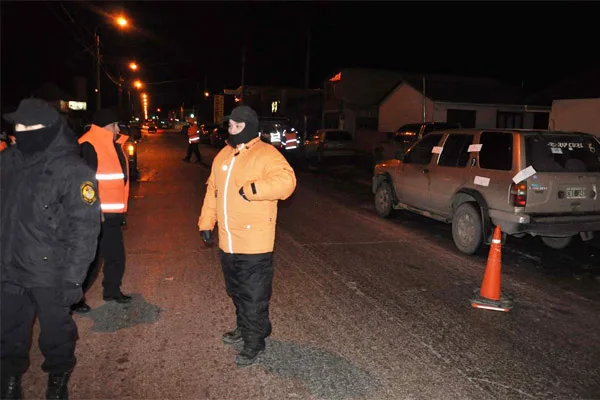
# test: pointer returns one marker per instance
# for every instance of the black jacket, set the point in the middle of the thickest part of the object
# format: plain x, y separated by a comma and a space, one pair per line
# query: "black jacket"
50, 215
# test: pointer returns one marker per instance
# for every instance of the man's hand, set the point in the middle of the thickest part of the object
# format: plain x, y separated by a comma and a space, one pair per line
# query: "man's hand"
207, 237
71, 294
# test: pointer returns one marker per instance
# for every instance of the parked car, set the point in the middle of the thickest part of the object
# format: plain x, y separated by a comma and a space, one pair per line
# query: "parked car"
538, 183
218, 137
329, 143
205, 132
405, 136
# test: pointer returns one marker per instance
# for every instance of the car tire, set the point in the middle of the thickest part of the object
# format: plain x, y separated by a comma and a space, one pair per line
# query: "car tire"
467, 229
384, 200
557, 243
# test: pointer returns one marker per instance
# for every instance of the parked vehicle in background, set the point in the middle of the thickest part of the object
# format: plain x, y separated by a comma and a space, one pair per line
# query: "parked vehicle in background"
205, 132
218, 137
405, 136
538, 183
329, 143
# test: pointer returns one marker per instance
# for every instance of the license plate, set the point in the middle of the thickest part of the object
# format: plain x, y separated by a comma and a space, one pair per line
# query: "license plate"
575, 193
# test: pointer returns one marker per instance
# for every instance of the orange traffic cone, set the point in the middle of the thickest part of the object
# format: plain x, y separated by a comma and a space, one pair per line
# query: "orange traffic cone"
490, 297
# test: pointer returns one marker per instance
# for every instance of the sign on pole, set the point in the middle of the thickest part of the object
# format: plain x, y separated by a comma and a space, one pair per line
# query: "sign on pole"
219, 107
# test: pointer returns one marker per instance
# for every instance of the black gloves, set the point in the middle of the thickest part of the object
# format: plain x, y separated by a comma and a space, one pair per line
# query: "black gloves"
207, 237
241, 192
71, 294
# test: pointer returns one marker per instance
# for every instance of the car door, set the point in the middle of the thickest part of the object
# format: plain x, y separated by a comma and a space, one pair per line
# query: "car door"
412, 178
450, 170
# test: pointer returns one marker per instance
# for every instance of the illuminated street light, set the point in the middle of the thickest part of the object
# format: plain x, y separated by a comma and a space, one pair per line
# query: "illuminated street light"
206, 94
158, 110
133, 66
122, 21
138, 84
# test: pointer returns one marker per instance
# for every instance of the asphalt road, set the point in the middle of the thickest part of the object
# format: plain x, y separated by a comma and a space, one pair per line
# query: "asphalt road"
363, 308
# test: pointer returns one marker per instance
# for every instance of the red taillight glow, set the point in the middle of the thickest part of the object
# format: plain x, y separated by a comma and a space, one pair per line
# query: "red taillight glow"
518, 194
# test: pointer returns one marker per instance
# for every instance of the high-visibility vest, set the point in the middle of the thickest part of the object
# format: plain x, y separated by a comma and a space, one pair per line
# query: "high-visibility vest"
291, 140
193, 135
112, 189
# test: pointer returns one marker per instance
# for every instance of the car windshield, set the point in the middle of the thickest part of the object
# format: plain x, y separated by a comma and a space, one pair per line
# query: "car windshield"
555, 152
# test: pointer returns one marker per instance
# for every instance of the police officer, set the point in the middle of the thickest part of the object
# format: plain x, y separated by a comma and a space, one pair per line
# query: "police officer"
50, 221
247, 180
193, 133
102, 149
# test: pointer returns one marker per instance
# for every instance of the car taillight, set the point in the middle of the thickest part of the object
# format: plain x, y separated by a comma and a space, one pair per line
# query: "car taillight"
518, 194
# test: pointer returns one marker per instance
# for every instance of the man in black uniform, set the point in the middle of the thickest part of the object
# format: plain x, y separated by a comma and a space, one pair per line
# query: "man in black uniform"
49, 227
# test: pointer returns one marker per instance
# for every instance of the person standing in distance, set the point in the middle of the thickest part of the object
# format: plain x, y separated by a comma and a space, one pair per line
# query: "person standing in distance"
49, 224
247, 180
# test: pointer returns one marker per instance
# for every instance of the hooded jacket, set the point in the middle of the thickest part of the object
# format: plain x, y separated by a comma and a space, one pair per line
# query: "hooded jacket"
50, 214
246, 226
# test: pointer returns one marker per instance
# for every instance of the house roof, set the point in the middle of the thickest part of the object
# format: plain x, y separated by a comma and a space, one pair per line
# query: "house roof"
461, 89
438, 87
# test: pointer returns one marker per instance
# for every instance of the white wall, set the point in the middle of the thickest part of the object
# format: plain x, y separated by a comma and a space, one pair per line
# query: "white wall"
403, 106
581, 115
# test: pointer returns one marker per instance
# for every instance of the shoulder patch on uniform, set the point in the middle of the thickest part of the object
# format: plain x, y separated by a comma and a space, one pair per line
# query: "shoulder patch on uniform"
88, 193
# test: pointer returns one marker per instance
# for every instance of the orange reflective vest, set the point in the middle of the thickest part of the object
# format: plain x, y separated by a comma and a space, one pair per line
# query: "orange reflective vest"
291, 140
193, 134
112, 190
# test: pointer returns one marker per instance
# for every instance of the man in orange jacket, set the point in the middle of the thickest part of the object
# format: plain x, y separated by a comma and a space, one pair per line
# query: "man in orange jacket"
193, 133
247, 180
102, 149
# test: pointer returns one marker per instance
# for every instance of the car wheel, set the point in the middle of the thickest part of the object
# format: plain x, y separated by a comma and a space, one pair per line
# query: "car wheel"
557, 243
467, 229
384, 200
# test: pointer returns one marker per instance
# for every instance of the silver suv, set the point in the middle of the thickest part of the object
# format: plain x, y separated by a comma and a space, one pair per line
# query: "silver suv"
538, 183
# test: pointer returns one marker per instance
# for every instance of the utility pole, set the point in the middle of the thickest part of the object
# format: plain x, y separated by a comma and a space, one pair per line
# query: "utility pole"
243, 70
98, 98
307, 79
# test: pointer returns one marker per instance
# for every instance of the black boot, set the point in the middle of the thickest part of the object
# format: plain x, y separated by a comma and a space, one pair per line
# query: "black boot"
81, 307
247, 356
11, 388
58, 388
233, 337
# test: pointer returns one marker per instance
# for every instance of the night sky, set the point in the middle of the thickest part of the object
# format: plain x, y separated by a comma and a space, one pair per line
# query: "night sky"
179, 45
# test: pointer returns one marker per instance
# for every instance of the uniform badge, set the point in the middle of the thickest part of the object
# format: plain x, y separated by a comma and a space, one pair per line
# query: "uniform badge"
88, 193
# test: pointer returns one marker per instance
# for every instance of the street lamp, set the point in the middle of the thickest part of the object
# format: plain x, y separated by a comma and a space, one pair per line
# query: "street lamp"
138, 84
206, 94
121, 22
133, 66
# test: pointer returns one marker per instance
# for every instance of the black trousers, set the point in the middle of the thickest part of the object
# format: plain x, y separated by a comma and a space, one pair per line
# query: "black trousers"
58, 332
112, 252
193, 148
249, 283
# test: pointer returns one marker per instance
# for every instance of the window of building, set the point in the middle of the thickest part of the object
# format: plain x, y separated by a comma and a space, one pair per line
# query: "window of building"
466, 118
509, 120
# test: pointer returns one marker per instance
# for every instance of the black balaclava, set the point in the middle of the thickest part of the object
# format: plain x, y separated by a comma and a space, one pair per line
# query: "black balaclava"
249, 132
29, 142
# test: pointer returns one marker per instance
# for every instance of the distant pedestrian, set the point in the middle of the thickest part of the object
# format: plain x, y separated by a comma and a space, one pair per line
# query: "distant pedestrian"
193, 133
248, 178
49, 226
